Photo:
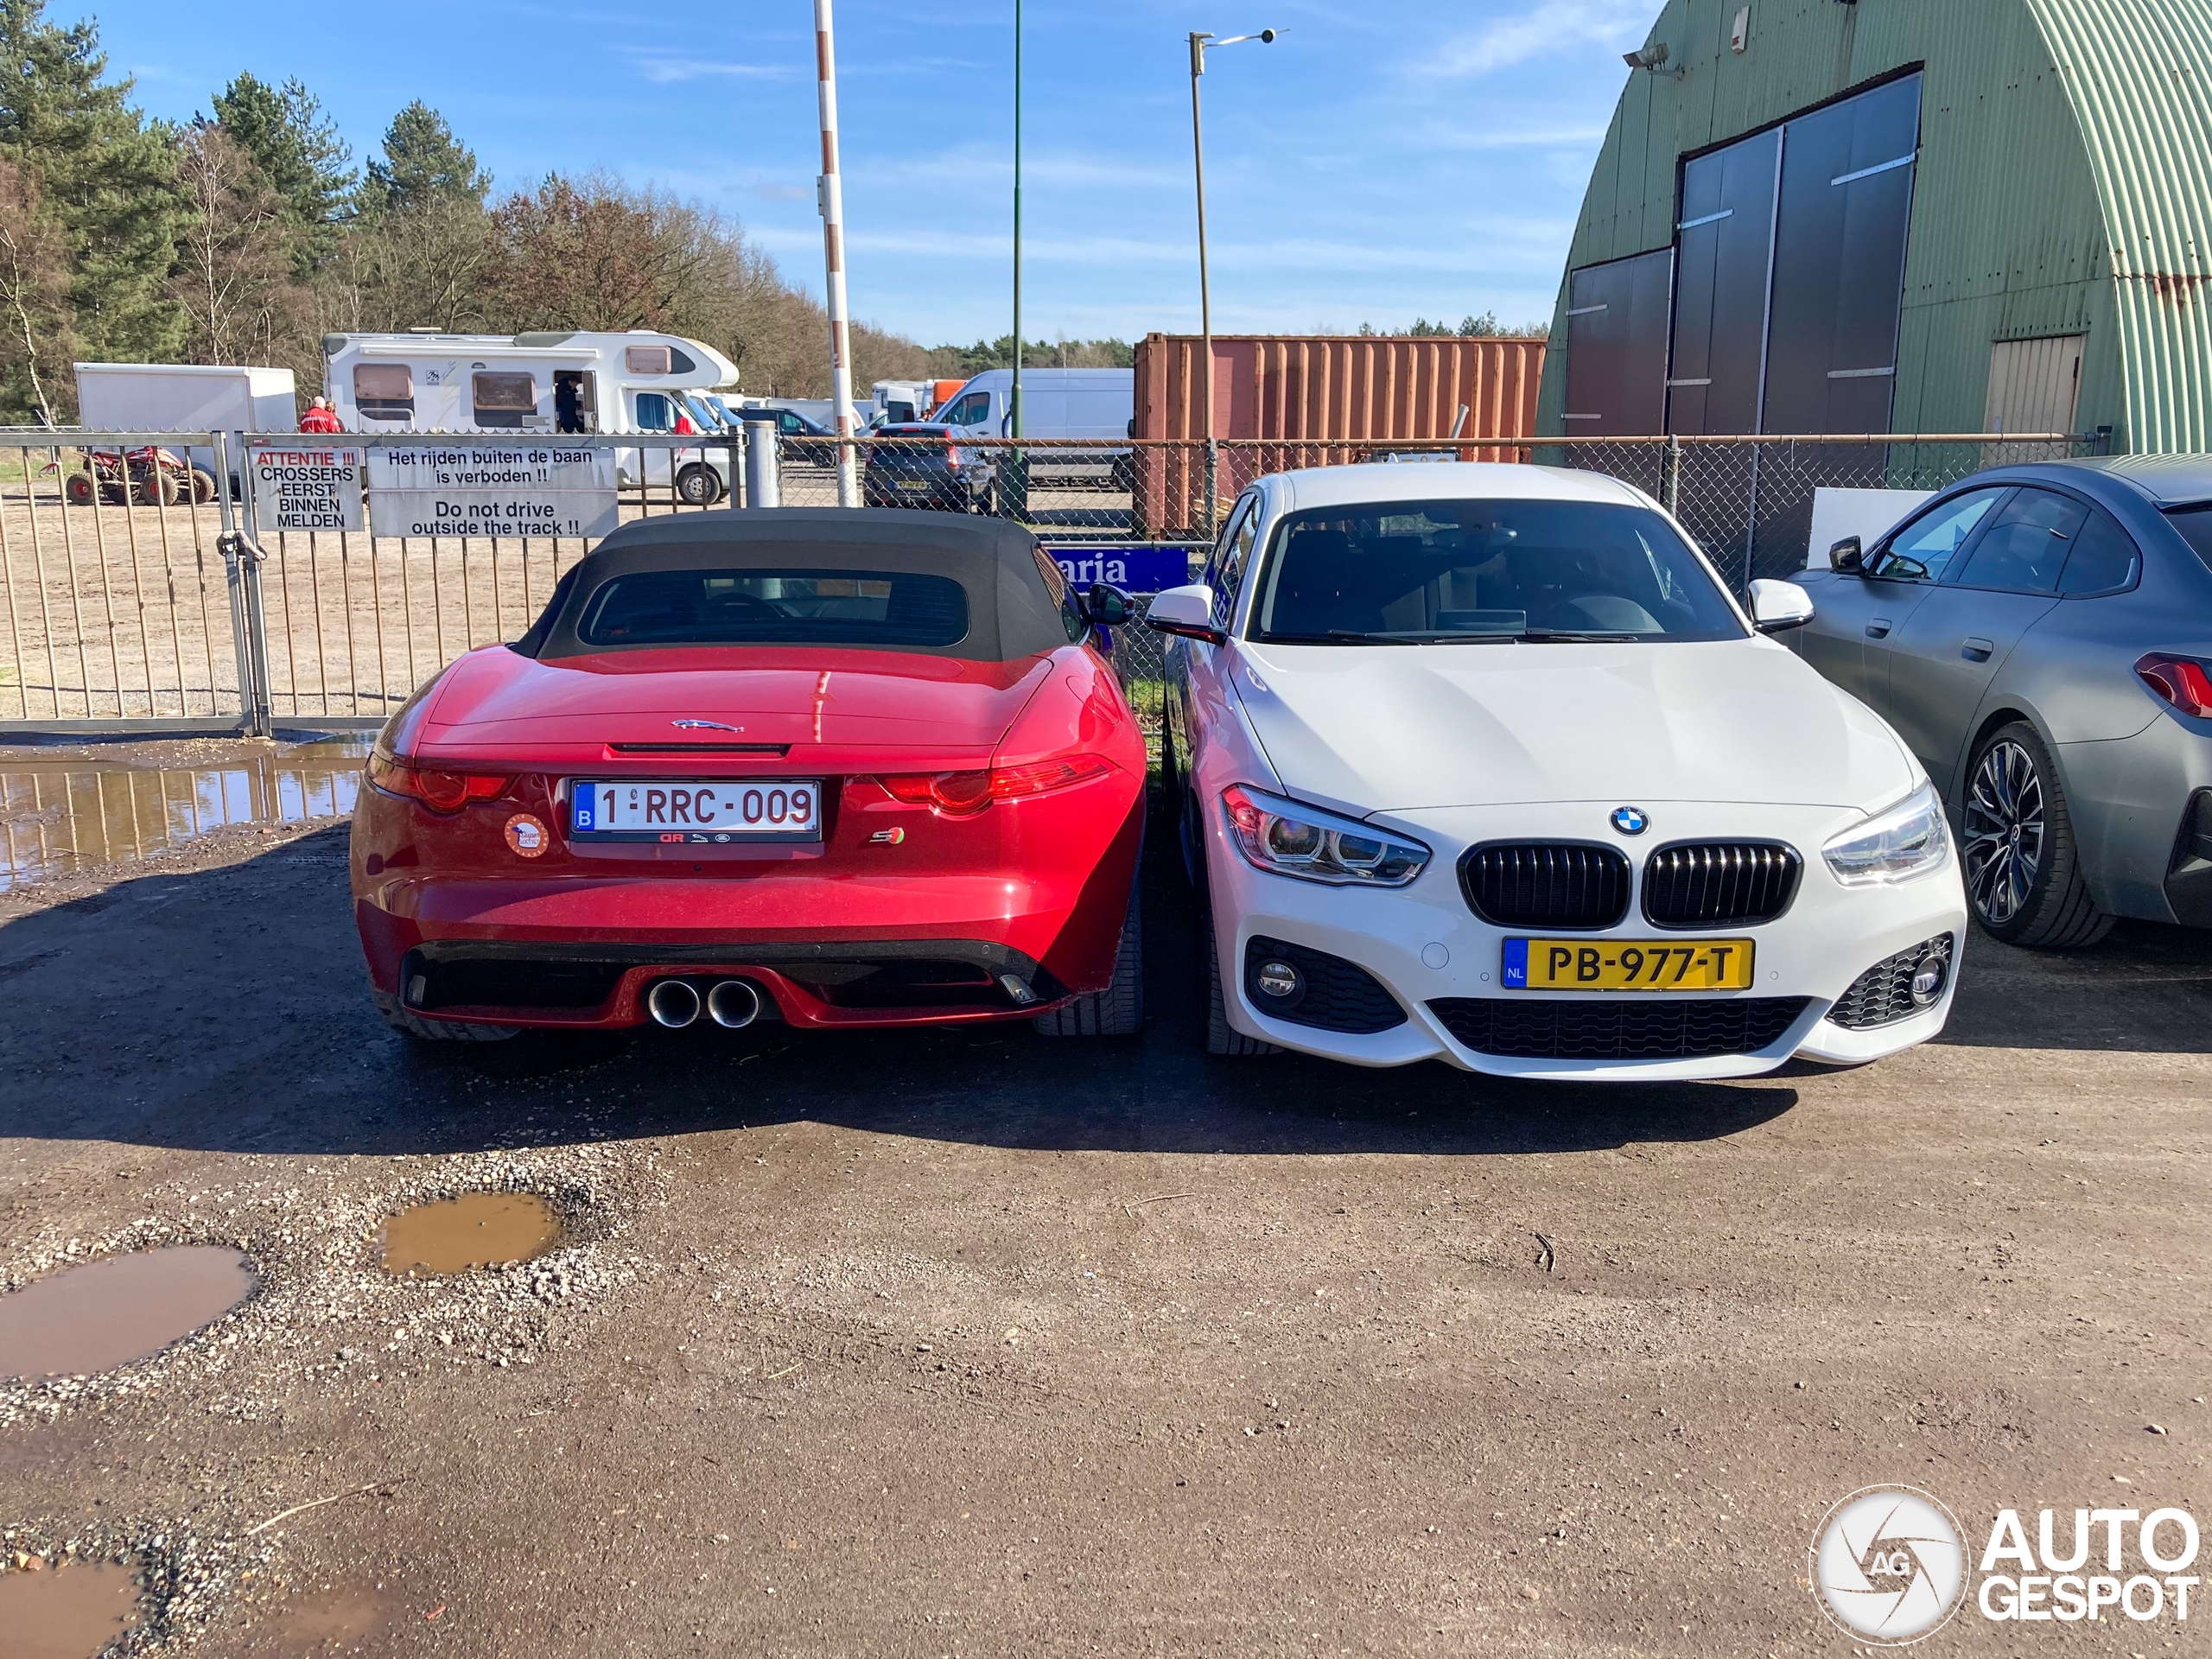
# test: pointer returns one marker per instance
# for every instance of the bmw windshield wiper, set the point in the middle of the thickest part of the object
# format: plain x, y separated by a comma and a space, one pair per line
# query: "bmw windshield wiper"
1354, 637
1578, 636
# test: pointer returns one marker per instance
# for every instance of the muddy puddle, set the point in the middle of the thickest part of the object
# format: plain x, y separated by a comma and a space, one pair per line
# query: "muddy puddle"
477, 1230
106, 1313
66, 1612
79, 807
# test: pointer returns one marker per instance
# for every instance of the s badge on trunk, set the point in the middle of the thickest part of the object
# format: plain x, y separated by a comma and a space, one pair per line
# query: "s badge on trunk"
1631, 820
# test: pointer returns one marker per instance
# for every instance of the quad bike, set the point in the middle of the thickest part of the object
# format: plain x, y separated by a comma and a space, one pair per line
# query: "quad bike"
145, 475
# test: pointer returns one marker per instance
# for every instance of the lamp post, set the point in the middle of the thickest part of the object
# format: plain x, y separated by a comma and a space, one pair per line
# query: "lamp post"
1014, 402
831, 198
1199, 42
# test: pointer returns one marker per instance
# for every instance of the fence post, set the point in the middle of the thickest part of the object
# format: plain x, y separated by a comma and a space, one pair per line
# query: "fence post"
242, 570
1670, 476
761, 488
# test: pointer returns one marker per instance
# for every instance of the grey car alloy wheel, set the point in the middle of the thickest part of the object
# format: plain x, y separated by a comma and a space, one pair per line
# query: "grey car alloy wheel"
2006, 829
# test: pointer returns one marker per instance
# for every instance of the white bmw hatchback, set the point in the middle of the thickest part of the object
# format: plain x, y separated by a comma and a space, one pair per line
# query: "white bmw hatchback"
1482, 763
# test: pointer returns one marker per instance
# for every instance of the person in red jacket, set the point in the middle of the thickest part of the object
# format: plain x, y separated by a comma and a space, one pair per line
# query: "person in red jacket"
321, 418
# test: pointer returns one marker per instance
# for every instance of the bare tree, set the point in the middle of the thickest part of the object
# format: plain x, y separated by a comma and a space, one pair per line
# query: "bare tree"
35, 272
233, 277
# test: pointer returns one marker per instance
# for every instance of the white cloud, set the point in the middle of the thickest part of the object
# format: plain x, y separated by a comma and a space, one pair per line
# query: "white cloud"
669, 70
1555, 26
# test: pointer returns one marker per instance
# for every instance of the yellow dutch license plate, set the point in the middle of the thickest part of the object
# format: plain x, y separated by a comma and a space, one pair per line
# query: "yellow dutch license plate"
1628, 965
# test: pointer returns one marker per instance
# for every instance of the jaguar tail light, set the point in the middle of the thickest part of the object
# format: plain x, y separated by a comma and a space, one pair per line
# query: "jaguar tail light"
2182, 683
958, 794
438, 790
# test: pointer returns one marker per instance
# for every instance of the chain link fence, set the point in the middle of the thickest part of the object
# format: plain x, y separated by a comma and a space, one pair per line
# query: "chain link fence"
137, 597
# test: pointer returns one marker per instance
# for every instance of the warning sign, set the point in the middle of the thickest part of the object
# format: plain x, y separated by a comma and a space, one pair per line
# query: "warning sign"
306, 488
484, 489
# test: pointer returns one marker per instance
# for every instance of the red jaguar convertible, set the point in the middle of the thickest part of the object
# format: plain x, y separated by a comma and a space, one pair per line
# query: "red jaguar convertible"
836, 768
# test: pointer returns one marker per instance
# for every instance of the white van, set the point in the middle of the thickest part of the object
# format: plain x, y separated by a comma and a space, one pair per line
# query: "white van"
546, 382
1055, 404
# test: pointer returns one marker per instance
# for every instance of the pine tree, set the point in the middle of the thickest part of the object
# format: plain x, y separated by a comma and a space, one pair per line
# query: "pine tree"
422, 162
107, 178
296, 145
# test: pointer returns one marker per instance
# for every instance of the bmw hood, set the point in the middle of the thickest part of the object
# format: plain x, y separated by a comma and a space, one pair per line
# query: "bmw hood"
1402, 728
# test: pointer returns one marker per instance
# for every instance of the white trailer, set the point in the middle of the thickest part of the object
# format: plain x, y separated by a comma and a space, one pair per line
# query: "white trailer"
546, 382
185, 398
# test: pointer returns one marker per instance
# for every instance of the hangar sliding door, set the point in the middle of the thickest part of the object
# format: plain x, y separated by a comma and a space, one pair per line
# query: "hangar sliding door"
1724, 250
1617, 347
1839, 262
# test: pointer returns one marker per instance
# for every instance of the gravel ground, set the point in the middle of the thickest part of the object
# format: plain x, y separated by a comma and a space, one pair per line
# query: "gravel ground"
974, 1342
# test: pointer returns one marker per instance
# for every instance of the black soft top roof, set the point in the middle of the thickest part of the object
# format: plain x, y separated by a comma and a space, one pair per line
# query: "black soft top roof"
1012, 611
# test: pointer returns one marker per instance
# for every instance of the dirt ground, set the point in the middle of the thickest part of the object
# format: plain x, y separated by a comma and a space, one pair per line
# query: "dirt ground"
979, 1343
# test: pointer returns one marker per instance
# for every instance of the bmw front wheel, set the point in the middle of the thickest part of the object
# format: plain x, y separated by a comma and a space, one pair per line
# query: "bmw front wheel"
2022, 869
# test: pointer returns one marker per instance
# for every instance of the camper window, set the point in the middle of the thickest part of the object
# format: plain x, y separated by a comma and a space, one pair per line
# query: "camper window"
653, 412
383, 392
647, 359
503, 399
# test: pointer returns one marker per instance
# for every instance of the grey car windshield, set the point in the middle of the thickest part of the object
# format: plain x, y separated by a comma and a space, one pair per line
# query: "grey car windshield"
1456, 572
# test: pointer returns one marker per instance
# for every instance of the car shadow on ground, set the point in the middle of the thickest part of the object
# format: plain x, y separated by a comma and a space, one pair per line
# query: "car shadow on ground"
2144, 989
225, 1010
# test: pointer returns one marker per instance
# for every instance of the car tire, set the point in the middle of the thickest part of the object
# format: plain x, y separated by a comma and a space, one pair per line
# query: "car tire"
2023, 867
435, 1031
1222, 1037
1117, 1011
697, 486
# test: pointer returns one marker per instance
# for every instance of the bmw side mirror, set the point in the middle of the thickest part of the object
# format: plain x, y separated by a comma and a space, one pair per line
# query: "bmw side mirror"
1847, 557
1187, 612
1777, 607
1106, 606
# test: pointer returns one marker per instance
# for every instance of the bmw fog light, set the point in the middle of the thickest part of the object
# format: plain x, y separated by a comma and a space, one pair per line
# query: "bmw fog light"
1928, 979
1278, 979
1908, 840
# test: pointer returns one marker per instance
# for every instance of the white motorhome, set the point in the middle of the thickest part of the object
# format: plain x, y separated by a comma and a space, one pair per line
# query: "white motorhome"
549, 381
185, 398
1055, 404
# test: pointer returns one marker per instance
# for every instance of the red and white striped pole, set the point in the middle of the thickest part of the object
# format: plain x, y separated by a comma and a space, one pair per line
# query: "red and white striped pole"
830, 196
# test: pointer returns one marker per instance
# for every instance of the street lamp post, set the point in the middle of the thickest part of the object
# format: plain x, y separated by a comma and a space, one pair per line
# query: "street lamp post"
1014, 402
1199, 42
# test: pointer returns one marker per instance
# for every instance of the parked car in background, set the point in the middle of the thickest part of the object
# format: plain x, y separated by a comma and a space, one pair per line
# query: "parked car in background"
653, 808
1055, 404
799, 437
1483, 764
925, 466
2042, 636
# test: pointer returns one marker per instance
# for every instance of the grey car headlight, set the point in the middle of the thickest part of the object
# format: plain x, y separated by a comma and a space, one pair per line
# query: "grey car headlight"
1908, 840
1290, 838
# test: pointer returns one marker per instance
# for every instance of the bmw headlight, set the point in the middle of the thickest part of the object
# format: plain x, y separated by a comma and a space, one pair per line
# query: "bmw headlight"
1908, 840
1290, 838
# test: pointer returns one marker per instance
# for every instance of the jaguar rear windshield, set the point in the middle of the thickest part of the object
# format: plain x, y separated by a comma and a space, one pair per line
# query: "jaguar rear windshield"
774, 607
1466, 571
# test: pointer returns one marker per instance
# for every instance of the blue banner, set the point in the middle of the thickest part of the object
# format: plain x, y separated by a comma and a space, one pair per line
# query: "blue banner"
1136, 568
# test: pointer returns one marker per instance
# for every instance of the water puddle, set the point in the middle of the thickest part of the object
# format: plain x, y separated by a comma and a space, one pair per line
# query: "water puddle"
105, 1314
67, 1613
477, 1230
71, 809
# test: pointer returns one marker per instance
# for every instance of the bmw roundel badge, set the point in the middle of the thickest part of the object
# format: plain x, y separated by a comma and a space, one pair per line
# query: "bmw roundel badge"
1631, 820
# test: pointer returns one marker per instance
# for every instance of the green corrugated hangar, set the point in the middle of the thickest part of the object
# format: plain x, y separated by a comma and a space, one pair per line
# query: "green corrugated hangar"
1817, 216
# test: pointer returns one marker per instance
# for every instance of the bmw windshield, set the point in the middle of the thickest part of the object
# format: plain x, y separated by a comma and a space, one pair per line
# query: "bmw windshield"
1469, 571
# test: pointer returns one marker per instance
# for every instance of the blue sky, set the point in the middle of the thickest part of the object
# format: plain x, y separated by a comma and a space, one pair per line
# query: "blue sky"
1377, 162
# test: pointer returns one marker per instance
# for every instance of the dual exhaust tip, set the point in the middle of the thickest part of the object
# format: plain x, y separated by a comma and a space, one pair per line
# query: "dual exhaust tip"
732, 1004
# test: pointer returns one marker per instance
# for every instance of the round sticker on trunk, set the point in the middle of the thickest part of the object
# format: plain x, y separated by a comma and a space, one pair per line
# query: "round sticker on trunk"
527, 835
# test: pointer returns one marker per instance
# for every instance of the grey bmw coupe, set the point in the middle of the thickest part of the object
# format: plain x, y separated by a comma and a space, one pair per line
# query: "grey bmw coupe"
2042, 637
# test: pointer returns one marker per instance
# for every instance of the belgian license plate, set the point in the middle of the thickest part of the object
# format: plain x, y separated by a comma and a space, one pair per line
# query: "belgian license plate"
1628, 965
698, 813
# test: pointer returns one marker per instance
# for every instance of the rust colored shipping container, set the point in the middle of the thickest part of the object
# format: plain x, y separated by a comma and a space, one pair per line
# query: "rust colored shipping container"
1315, 400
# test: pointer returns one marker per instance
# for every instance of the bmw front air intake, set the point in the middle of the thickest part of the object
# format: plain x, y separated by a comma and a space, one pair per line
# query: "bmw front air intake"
1546, 884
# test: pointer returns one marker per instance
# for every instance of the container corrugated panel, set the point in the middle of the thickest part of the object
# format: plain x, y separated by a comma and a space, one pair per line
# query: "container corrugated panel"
1338, 390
